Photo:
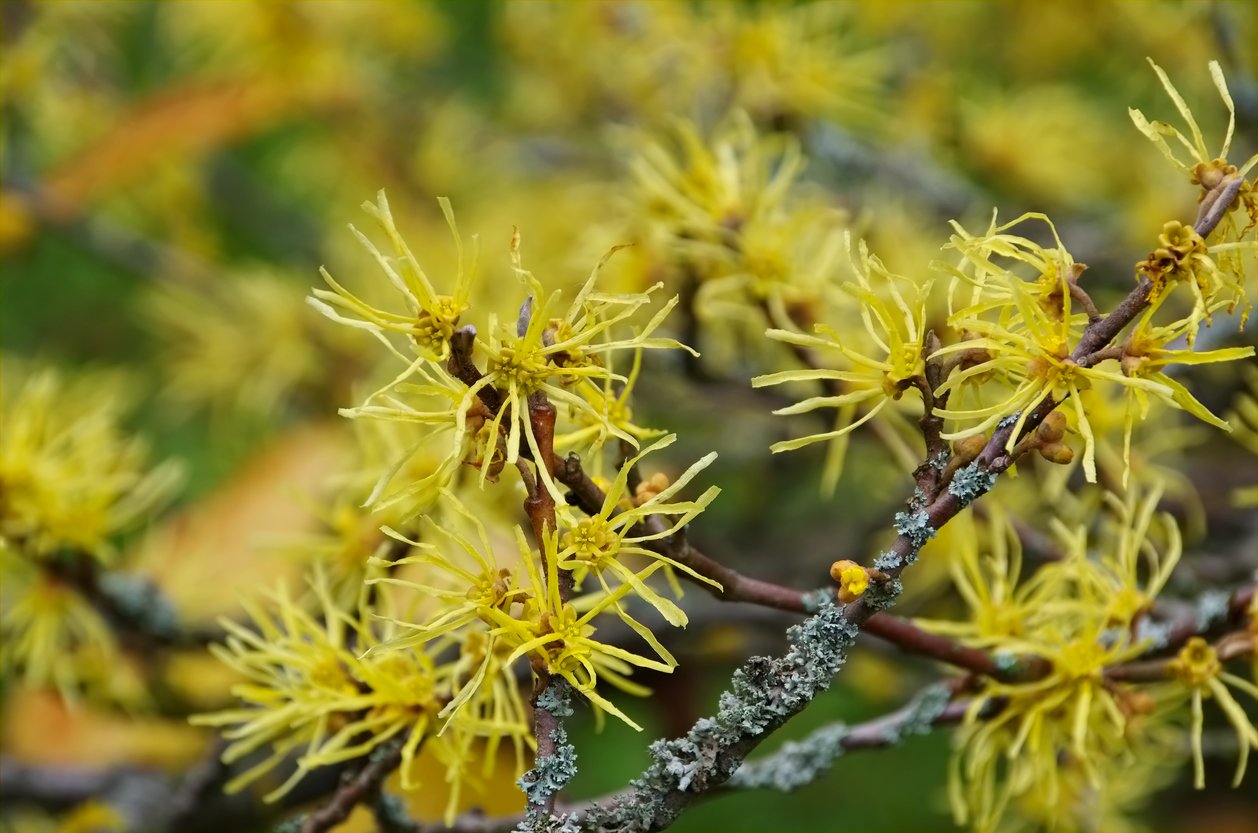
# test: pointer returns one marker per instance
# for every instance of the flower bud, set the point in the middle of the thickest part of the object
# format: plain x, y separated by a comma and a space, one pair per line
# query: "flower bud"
1056, 453
967, 448
1053, 428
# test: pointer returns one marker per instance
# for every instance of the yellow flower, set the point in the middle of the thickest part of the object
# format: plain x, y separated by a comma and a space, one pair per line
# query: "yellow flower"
1021, 333
463, 578
1183, 253
315, 691
53, 636
597, 543
878, 364
245, 340
1068, 713
1136, 556
555, 354
988, 577
430, 317
1206, 169
1200, 675
699, 198
611, 415
494, 620
992, 284
726, 223
1146, 355
431, 433
558, 636
1079, 614
299, 686
800, 62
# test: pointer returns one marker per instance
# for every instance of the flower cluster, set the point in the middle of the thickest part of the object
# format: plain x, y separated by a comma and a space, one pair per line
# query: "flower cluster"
726, 221
518, 611
314, 690
1062, 727
433, 650
489, 552
483, 415
71, 483
1016, 311
1183, 255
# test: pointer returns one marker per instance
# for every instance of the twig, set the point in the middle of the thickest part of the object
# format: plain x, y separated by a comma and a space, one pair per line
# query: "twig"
801, 762
737, 587
133, 604
200, 781
1230, 646
357, 789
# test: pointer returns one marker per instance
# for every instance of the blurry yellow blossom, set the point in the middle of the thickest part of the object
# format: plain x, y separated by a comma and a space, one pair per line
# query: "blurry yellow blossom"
70, 478
1138, 550
562, 80
463, 579
1033, 139
1115, 799
725, 221
1199, 675
698, 195
989, 581
53, 636
316, 694
1244, 421
793, 62
247, 340
1080, 615
348, 536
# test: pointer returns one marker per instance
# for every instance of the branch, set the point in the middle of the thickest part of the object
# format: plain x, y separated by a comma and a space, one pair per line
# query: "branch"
133, 604
801, 762
356, 789
737, 587
1229, 647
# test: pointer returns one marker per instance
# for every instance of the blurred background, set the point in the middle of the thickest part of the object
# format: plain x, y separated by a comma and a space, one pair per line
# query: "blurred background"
175, 173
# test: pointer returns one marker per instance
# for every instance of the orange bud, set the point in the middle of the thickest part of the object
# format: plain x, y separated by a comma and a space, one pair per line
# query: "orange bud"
853, 579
